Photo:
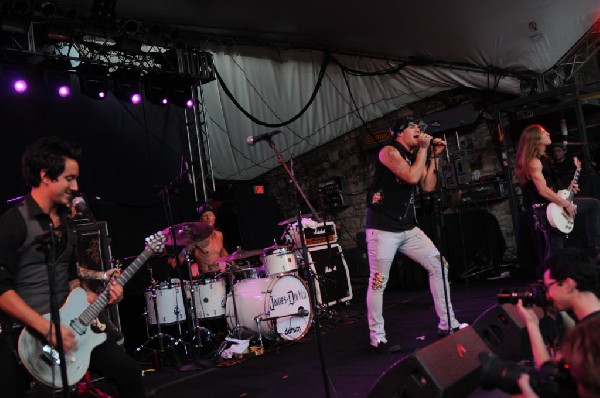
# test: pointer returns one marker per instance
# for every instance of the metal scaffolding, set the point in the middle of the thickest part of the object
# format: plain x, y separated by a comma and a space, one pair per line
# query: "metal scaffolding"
198, 65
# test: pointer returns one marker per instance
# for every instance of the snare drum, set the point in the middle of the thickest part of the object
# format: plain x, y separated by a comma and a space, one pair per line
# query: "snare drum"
209, 297
250, 272
169, 304
279, 262
281, 304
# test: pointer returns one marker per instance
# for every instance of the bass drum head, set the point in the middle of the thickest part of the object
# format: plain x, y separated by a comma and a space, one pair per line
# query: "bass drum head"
284, 300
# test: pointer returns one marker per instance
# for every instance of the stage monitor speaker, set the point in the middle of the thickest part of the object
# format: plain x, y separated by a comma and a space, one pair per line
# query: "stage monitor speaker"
447, 368
503, 330
332, 276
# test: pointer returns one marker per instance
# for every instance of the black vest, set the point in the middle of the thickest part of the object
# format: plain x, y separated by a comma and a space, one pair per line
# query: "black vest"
390, 200
530, 193
31, 280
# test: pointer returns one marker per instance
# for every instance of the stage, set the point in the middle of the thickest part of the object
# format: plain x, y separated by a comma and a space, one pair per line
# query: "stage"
293, 368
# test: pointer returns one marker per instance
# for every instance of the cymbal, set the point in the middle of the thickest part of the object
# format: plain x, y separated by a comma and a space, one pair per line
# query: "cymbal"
187, 233
239, 255
294, 219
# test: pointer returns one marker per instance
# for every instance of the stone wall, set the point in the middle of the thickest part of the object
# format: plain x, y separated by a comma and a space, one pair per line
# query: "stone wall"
346, 157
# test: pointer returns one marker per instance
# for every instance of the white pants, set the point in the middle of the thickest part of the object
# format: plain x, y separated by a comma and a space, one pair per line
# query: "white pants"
382, 247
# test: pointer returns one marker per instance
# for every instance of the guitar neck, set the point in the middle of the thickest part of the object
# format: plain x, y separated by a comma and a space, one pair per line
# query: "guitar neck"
574, 181
101, 301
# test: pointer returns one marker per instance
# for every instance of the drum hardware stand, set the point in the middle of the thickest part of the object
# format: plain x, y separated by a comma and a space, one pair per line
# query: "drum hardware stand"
165, 341
310, 280
165, 195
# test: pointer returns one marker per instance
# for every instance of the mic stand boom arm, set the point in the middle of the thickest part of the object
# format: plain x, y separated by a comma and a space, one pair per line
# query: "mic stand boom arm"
309, 276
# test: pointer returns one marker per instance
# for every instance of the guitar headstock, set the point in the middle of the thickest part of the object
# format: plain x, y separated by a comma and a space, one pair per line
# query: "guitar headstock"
577, 162
156, 242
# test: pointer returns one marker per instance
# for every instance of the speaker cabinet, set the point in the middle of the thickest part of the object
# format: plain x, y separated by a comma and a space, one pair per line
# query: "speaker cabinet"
331, 272
446, 368
503, 330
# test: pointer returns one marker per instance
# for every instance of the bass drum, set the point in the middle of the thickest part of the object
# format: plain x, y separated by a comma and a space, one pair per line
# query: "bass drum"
282, 305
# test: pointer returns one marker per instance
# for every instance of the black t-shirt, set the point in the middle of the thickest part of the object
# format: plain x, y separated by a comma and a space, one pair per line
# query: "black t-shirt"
530, 193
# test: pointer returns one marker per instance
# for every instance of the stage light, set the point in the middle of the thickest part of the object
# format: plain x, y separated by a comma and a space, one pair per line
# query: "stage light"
127, 85
156, 88
20, 86
93, 80
56, 75
180, 92
64, 91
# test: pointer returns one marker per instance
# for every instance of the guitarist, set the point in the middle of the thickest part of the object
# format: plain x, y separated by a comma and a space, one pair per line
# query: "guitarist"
50, 167
539, 184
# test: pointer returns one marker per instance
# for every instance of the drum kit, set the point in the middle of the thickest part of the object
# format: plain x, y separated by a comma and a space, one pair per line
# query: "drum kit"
269, 301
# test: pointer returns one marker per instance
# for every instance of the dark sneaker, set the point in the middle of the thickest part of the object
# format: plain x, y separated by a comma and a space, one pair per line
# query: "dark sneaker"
446, 332
387, 348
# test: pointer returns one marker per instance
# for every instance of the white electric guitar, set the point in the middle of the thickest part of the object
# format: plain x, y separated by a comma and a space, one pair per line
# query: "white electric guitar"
557, 215
42, 360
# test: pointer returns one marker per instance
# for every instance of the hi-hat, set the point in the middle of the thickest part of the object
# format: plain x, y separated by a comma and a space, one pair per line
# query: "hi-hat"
187, 233
239, 254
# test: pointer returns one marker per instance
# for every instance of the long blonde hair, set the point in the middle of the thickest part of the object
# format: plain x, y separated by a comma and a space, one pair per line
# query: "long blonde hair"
528, 148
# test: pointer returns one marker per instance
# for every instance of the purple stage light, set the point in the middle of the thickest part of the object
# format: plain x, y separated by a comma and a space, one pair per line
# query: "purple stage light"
64, 91
189, 103
164, 101
20, 86
101, 94
136, 99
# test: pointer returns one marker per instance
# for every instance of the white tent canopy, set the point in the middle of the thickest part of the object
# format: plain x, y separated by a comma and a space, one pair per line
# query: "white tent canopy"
269, 54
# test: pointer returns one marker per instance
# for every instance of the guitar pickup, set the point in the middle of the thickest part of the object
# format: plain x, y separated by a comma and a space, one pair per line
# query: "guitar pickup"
50, 355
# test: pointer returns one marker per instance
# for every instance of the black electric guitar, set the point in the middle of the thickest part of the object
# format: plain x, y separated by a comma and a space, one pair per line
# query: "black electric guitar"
42, 360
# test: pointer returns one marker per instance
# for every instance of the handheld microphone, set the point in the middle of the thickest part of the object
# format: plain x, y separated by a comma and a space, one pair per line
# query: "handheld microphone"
253, 139
82, 208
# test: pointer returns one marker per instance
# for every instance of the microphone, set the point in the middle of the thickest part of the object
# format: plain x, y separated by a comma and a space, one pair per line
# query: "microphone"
82, 208
565, 143
253, 139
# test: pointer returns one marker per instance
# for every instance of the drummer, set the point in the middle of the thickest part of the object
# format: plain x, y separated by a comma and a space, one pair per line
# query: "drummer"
208, 250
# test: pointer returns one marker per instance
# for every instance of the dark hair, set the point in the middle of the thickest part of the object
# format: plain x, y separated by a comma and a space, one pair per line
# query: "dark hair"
581, 351
402, 123
575, 264
47, 153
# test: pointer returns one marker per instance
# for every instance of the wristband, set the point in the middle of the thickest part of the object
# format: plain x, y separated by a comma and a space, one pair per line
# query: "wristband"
104, 276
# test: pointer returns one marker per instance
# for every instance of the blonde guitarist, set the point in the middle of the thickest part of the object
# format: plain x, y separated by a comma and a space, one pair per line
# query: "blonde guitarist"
540, 188
50, 167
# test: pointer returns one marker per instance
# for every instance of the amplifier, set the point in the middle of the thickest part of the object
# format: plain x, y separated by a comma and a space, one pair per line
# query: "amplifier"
331, 274
315, 234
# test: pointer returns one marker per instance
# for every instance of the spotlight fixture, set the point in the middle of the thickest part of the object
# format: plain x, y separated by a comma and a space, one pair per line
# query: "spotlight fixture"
131, 27
127, 85
56, 75
180, 92
156, 88
93, 80
20, 86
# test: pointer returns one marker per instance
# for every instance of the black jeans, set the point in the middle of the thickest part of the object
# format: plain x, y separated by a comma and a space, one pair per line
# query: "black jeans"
108, 359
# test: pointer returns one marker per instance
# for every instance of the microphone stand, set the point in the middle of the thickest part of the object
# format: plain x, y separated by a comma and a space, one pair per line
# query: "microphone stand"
50, 248
309, 275
439, 228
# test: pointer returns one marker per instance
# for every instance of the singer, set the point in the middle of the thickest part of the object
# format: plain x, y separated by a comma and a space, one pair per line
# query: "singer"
539, 183
391, 224
50, 168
